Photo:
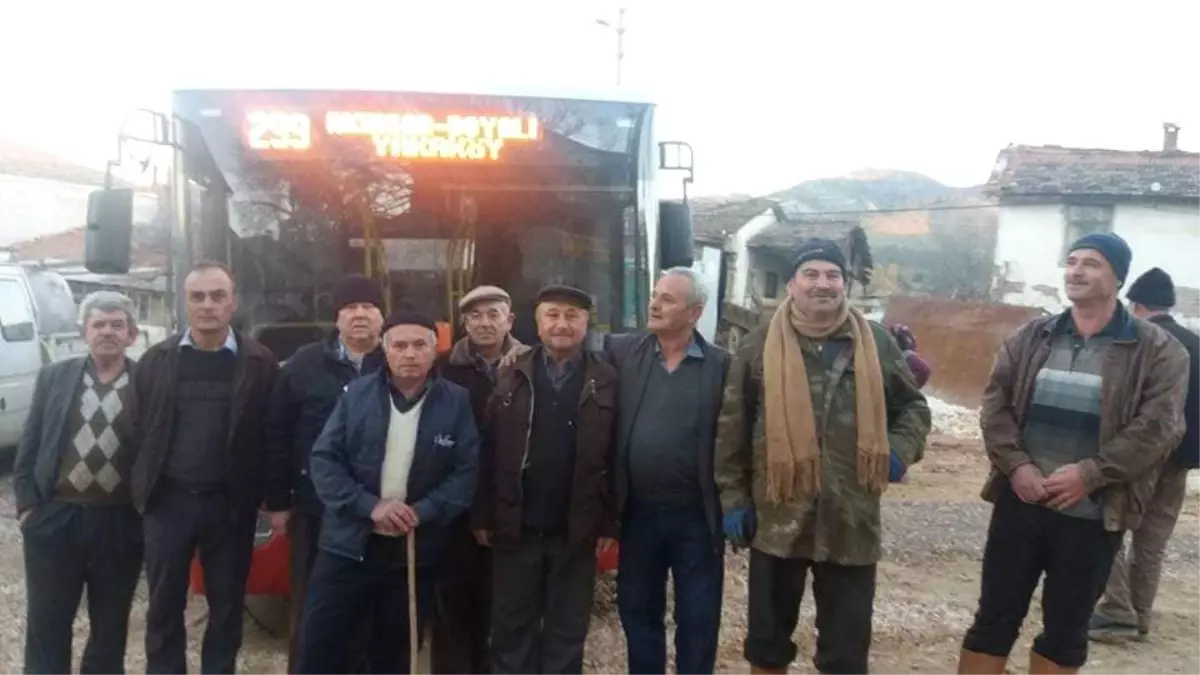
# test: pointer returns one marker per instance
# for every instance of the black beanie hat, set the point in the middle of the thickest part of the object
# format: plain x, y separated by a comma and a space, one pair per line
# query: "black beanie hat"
355, 288
1112, 247
407, 316
820, 249
1154, 289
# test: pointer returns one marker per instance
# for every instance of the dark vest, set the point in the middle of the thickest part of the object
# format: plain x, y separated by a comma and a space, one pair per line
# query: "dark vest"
550, 464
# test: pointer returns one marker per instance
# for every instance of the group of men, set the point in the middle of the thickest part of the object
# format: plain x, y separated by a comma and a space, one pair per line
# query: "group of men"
473, 492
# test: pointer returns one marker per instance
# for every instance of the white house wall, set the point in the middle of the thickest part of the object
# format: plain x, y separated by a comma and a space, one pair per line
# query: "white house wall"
742, 277
1030, 241
37, 207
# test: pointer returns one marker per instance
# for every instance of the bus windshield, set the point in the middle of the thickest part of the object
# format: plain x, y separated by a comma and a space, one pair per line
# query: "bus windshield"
431, 194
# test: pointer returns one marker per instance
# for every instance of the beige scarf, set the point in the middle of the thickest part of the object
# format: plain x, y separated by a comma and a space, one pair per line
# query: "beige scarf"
793, 449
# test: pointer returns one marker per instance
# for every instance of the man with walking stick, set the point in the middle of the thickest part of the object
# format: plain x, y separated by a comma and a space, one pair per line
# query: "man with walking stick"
394, 466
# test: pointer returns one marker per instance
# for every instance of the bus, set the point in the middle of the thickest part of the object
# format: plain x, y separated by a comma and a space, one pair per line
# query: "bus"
430, 193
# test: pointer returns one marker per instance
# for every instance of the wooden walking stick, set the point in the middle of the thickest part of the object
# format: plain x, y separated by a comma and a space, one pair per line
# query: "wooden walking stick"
413, 632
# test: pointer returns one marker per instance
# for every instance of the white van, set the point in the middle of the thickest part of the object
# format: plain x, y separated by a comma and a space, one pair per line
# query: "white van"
38, 318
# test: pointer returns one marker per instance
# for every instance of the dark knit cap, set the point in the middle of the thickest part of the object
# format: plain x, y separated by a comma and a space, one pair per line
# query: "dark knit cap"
1154, 289
1112, 247
355, 288
820, 249
405, 315
567, 294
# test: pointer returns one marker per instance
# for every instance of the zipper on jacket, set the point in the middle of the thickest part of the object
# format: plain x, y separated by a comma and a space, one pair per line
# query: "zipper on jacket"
528, 433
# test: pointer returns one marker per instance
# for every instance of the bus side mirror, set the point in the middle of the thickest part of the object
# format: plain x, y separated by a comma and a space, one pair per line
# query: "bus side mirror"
108, 236
675, 244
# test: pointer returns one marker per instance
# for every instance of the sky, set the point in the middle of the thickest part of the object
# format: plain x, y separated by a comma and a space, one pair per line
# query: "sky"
769, 93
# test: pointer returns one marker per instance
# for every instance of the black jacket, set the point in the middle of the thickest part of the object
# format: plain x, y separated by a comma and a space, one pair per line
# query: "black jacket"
310, 385
347, 465
460, 367
634, 354
254, 375
1187, 455
39, 453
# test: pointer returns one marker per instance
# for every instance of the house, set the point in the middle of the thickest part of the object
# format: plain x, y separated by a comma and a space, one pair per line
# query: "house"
1049, 196
145, 283
758, 239
41, 194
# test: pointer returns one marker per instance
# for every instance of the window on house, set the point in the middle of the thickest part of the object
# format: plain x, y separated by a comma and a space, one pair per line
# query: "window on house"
1081, 220
771, 285
143, 305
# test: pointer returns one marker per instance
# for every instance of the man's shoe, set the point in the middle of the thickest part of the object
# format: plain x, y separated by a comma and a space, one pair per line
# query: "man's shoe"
1104, 628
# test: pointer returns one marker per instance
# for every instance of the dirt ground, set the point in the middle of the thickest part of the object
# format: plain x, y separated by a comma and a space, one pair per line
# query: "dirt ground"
927, 589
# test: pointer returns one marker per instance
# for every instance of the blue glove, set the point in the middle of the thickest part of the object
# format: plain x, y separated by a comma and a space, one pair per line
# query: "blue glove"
740, 525
896, 468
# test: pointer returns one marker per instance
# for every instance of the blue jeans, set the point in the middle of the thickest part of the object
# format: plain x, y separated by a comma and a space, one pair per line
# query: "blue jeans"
655, 539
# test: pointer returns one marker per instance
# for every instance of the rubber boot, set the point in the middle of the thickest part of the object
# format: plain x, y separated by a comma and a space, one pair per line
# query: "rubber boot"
1040, 665
755, 670
975, 663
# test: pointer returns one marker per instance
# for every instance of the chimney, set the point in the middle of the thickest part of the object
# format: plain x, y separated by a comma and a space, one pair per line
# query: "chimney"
1170, 137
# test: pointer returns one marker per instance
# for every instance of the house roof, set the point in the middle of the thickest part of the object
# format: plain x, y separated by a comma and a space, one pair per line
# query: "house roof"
712, 222
19, 160
68, 247
1051, 170
786, 236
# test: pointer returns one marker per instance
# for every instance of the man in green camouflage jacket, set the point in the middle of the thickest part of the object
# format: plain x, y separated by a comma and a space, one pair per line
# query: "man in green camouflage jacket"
825, 518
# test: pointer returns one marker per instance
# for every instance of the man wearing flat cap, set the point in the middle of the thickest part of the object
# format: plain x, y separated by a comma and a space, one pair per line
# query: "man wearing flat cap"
814, 404
463, 623
309, 386
1081, 410
546, 502
1125, 610
396, 459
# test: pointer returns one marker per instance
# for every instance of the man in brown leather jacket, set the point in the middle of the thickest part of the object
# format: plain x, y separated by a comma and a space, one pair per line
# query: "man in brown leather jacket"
545, 501
1081, 410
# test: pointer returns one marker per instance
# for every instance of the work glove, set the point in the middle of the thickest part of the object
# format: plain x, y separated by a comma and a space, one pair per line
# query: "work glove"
739, 525
896, 468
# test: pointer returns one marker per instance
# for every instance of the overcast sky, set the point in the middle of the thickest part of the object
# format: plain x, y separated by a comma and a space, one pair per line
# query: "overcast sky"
769, 93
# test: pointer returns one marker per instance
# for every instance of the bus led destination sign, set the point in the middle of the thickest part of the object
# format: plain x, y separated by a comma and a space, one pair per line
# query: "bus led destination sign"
399, 135
422, 136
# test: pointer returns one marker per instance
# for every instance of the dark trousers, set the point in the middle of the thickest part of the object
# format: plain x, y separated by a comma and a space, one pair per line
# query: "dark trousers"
845, 597
70, 548
178, 524
655, 539
303, 533
344, 593
541, 604
1024, 542
464, 597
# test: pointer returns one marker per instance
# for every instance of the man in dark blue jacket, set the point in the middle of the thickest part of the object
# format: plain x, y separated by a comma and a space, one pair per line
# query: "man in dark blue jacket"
397, 459
309, 386
1125, 609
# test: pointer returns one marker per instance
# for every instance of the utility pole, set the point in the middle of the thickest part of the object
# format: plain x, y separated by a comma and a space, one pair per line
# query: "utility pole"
620, 31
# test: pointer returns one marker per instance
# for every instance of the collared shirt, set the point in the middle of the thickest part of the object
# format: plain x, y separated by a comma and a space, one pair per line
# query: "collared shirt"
559, 373
347, 356
693, 350
230, 341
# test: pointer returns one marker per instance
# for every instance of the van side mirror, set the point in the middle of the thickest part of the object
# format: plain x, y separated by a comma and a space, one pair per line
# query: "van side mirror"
675, 243
108, 236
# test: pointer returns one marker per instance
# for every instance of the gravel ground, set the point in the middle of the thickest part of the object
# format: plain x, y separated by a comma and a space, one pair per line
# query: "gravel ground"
927, 588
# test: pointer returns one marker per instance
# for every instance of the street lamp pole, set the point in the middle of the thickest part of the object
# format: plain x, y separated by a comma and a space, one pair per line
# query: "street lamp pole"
620, 31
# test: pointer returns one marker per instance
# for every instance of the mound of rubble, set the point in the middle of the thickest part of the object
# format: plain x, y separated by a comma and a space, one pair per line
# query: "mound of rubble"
953, 420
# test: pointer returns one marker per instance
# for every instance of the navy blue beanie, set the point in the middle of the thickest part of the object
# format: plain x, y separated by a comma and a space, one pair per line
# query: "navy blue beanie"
1112, 247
